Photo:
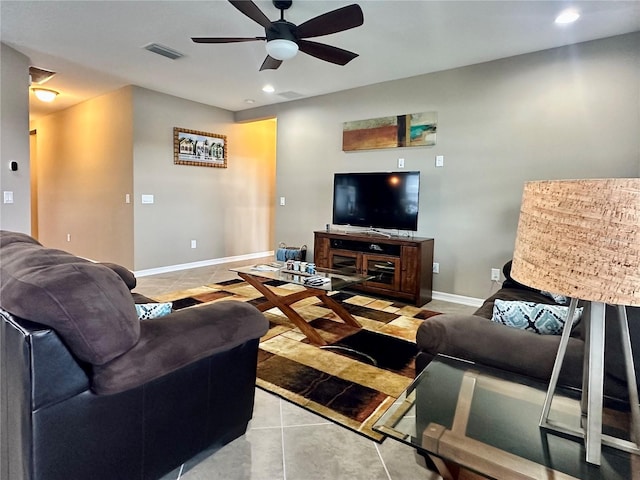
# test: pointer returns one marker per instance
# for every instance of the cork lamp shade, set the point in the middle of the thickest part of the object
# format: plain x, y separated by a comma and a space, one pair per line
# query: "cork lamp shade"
581, 239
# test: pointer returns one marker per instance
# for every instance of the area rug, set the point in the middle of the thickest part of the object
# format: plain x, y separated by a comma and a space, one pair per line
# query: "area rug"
352, 381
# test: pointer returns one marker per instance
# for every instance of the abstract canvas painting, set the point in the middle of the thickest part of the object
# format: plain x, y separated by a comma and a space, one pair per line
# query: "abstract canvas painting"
409, 130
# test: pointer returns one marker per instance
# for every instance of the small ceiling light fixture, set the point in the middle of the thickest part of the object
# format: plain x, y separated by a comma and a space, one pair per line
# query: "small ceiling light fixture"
268, 89
567, 16
44, 94
249, 100
281, 49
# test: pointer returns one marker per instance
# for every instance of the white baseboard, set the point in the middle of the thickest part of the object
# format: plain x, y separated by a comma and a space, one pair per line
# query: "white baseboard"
450, 297
202, 263
446, 297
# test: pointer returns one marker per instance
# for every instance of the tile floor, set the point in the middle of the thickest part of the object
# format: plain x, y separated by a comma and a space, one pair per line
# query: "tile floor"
284, 441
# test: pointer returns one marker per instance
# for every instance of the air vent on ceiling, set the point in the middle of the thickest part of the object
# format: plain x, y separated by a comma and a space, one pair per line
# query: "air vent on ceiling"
290, 95
40, 75
164, 51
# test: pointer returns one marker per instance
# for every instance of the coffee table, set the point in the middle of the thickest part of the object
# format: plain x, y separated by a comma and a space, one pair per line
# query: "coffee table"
253, 275
476, 422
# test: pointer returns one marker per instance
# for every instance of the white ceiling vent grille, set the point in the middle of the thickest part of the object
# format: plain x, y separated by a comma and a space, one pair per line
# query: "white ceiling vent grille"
290, 95
40, 75
164, 51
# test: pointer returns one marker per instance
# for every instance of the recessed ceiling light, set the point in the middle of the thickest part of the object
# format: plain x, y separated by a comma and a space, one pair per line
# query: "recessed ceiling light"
567, 16
249, 100
268, 89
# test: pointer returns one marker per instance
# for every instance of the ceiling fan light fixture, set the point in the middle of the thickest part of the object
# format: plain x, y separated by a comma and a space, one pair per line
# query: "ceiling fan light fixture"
44, 94
281, 49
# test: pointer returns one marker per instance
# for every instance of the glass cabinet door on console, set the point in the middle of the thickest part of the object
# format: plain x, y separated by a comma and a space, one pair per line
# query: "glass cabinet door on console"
346, 262
385, 270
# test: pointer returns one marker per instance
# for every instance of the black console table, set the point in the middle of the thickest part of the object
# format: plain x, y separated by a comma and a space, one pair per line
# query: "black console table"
401, 266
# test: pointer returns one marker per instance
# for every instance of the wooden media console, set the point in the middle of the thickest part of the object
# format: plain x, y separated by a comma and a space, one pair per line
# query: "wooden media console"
401, 266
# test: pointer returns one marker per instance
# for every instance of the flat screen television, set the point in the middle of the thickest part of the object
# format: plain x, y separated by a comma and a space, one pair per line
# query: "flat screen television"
377, 199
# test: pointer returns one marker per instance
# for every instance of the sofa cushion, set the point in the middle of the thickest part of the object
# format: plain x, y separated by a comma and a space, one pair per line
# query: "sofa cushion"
177, 340
86, 303
480, 340
7, 237
535, 317
125, 274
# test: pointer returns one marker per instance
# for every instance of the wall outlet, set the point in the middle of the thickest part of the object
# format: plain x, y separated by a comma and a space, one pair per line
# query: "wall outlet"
401, 163
194, 244
282, 201
495, 274
436, 267
68, 237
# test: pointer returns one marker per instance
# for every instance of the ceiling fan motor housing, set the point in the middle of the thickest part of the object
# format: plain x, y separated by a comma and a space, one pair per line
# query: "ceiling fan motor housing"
281, 30
282, 4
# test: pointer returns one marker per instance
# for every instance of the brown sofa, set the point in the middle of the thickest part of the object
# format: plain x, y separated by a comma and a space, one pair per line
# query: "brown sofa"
478, 339
88, 390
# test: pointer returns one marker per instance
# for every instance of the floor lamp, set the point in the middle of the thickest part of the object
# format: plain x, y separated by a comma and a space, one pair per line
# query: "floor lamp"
581, 239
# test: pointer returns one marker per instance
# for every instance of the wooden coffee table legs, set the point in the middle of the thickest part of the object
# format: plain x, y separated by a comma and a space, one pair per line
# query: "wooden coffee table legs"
284, 302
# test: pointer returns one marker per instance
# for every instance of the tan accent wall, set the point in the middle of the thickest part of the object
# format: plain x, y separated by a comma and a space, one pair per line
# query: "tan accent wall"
84, 171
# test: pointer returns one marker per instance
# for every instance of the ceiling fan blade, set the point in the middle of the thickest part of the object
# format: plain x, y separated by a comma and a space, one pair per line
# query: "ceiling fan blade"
252, 11
328, 53
270, 63
225, 39
332, 22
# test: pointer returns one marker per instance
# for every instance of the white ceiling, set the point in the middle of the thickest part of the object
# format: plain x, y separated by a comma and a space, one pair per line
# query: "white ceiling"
96, 46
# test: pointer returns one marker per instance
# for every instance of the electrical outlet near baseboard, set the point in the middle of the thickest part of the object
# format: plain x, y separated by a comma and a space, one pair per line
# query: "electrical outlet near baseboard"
495, 274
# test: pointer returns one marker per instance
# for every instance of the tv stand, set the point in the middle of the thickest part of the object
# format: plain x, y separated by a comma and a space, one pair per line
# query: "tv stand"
401, 267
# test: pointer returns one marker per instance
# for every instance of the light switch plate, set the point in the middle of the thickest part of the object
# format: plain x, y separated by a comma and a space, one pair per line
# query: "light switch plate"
147, 198
8, 197
439, 160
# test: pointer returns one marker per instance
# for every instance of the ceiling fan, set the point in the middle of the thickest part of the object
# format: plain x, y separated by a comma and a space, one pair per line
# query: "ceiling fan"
284, 39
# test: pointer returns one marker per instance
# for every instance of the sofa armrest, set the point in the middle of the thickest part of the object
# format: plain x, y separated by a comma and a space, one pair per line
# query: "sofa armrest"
169, 343
41, 365
480, 340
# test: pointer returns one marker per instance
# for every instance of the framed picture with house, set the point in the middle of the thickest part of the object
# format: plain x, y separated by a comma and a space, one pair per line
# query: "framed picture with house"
202, 149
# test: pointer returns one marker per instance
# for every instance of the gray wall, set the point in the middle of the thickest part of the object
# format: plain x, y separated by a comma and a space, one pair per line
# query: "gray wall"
570, 112
14, 140
228, 211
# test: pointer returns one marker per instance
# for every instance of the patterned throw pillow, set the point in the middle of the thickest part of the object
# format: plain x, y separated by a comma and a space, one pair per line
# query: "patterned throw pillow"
561, 299
535, 317
153, 310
